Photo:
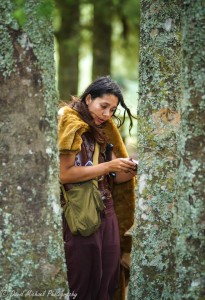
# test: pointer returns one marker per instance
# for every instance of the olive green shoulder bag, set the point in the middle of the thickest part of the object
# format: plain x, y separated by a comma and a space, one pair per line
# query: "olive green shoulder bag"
84, 204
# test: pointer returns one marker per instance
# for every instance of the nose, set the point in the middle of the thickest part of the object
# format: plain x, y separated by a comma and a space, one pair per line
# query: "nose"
106, 112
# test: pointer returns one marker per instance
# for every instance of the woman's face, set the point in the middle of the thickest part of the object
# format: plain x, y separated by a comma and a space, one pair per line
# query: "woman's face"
102, 108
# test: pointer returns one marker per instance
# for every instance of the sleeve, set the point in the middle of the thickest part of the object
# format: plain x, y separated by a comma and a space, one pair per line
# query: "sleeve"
70, 130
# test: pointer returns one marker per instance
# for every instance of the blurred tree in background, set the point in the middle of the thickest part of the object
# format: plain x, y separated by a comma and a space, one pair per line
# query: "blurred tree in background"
68, 39
94, 38
102, 37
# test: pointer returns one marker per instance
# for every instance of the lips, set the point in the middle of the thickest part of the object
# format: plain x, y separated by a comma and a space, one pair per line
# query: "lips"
100, 120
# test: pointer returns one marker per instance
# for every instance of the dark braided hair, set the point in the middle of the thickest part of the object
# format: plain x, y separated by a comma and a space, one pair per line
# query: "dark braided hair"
105, 85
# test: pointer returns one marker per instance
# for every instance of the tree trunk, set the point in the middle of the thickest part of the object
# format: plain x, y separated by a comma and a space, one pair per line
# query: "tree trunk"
68, 37
32, 259
102, 32
190, 215
152, 267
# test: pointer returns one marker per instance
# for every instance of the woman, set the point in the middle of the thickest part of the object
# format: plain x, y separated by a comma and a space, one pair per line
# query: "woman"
93, 262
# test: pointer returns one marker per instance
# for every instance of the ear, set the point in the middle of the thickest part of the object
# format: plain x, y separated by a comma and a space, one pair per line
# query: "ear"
88, 99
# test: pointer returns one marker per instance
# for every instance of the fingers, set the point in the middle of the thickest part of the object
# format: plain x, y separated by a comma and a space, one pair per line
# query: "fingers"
122, 165
128, 165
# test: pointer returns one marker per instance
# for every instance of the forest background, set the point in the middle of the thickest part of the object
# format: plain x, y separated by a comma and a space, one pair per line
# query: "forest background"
168, 257
96, 38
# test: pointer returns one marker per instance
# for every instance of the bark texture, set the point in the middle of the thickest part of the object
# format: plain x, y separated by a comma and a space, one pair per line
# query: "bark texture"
190, 213
168, 254
152, 268
31, 245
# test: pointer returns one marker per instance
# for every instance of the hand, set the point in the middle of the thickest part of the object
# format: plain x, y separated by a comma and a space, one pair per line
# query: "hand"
135, 162
121, 165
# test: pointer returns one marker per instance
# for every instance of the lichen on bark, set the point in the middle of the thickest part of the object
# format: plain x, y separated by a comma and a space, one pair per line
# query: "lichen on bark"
190, 211
168, 243
152, 269
31, 241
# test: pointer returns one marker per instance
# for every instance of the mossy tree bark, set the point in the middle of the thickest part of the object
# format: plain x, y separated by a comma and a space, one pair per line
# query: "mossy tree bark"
68, 37
190, 213
32, 257
152, 267
168, 242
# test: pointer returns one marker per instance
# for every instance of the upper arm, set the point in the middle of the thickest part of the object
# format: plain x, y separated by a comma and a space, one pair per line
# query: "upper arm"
66, 161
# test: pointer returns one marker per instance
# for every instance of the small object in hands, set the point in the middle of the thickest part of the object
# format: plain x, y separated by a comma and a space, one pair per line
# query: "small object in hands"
135, 162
